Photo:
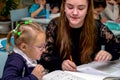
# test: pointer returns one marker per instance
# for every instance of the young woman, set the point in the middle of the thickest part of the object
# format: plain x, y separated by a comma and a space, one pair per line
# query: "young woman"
29, 39
74, 38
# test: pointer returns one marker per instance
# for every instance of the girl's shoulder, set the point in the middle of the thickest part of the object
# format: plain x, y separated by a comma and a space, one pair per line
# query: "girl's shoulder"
35, 5
15, 58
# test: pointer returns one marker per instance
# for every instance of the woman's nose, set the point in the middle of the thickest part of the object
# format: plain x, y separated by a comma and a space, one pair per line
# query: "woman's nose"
75, 11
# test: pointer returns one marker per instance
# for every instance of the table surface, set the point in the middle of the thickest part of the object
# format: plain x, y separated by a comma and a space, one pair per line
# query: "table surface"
88, 72
43, 20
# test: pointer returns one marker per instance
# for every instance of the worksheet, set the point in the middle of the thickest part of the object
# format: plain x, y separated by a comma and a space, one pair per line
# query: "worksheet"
92, 71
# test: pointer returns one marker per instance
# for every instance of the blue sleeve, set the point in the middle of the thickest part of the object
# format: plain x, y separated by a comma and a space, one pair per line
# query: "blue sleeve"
33, 8
14, 68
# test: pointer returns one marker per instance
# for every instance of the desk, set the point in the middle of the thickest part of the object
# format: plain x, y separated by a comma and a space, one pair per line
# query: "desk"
42, 20
38, 20
90, 71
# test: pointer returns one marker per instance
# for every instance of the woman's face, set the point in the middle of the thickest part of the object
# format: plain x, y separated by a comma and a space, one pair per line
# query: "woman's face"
76, 11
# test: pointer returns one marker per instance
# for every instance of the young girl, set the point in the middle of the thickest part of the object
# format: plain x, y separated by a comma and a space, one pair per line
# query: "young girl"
29, 44
38, 8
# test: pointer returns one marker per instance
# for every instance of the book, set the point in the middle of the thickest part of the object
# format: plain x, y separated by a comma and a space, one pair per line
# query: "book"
92, 71
112, 25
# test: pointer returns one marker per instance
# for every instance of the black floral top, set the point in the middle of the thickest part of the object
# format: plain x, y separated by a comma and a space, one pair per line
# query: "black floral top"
52, 59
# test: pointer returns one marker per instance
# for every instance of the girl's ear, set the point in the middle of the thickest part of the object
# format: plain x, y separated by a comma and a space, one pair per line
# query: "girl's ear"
23, 46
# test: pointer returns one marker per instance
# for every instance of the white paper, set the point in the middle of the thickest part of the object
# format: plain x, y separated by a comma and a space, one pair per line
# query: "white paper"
91, 71
87, 76
61, 75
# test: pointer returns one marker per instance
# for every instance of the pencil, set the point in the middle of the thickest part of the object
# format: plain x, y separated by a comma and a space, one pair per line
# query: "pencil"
71, 58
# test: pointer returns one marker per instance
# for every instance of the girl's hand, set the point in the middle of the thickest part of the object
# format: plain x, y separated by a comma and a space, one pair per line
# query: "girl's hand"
38, 71
103, 20
68, 65
103, 56
118, 20
41, 6
112, 2
43, 2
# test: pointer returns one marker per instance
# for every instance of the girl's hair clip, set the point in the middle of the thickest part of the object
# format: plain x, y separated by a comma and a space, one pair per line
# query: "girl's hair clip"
18, 25
17, 32
27, 22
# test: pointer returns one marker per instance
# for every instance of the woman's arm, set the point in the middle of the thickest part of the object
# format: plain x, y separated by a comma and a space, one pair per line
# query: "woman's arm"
111, 42
51, 59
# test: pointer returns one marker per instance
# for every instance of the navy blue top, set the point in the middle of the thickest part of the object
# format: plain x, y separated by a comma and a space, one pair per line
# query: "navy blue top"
17, 69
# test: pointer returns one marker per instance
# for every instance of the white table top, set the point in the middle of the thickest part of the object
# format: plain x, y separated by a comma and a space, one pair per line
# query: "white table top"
116, 32
45, 21
38, 20
41, 20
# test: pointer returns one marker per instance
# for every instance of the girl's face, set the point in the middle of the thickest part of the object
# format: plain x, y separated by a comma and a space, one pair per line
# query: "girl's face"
76, 11
35, 50
97, 11
43, 2
55, 10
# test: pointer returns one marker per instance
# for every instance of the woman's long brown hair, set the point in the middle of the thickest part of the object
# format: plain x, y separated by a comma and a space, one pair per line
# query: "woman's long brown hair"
87, 36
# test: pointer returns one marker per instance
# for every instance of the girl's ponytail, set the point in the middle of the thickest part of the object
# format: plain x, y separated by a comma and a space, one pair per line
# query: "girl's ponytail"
9, 42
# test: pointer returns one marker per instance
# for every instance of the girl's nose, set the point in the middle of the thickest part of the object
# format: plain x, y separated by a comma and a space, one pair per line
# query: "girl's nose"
44, 50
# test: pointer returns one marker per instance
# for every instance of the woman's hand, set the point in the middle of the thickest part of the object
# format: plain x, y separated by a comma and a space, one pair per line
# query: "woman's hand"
68, 65
103, 56
38, 71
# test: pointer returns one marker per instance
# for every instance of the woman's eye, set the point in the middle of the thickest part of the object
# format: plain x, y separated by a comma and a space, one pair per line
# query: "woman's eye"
70, 7
81, 7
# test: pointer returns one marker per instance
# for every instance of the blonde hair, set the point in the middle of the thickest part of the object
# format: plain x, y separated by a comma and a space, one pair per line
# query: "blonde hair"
25, 35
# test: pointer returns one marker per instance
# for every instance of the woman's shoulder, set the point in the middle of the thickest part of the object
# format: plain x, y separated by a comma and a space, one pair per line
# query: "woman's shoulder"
52, 26
55, 21
98, 24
